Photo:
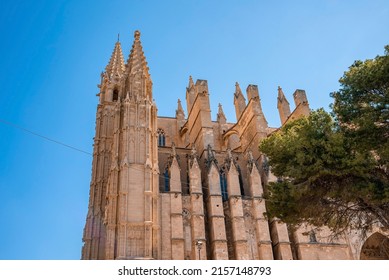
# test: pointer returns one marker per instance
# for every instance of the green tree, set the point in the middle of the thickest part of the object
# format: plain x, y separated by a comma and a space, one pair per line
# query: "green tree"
361, 106
335, 172
323, 179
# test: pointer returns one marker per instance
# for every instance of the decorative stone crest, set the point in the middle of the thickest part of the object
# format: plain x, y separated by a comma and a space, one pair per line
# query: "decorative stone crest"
251, 162
230, 159
193, 156
210, 158
173, 155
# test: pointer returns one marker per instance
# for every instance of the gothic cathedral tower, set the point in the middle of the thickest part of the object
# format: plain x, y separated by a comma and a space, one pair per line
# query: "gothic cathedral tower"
122, 219
194, 183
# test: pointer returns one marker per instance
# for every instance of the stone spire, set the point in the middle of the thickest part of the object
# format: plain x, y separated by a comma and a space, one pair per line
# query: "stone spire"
116, 66
190, 95
238, 91
191, 84
137, 61
138, 81
229, 158
281, 96
250, 160
283, 106
239, 101
210, 157
221, 118
173, 155
180, 114
180, 110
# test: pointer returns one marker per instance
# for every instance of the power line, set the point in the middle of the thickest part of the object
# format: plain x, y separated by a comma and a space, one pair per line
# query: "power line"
44, 137
73, 148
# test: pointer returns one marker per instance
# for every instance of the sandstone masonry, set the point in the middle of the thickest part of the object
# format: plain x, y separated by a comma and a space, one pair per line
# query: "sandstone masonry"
189, 187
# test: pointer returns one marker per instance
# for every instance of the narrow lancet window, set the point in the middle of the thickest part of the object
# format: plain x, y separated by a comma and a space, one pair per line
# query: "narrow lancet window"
223, 185
166, 180
161, 137
115, 95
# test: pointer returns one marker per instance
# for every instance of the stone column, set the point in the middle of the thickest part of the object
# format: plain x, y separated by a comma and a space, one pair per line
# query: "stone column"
218, 238
112, 191
177, 227
279, 234
280, 238
166, 252
236, 209
199, 250
258, 208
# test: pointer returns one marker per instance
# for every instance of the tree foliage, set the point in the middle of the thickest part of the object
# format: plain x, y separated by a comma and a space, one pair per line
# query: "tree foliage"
361, 106
334, 171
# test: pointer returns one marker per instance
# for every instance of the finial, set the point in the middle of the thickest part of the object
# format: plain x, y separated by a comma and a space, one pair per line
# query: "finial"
250, 156
179, 106
174, 153
193, 150
220, 112
280, 93
237, 87
250, 160
190, 81
221, 118
229, 154
137, 34
118, 37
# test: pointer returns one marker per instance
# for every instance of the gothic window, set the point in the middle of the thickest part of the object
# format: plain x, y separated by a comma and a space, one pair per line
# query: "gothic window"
166, 180
223, 185
115, 95
161, 137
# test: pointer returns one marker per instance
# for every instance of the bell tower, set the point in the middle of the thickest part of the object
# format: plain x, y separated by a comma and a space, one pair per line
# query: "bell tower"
127, 179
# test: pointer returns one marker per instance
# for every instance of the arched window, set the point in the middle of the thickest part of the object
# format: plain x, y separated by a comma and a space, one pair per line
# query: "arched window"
115, 95
161, 137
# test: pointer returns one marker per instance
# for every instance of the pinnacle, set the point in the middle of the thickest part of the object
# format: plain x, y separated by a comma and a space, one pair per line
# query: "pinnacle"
191, 84
137, 35
281, 96
220, 108
180, 111
179, 106
220, 114
238, 92
137, 60
116, 63
237, 88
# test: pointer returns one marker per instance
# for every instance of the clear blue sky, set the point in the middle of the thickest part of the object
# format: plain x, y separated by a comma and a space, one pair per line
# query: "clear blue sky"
54, 51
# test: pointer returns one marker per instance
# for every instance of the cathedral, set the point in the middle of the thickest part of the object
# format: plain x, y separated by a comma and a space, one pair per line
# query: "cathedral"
189, 187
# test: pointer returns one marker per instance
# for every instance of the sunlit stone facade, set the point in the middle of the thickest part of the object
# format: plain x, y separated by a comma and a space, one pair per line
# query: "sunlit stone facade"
190, 187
